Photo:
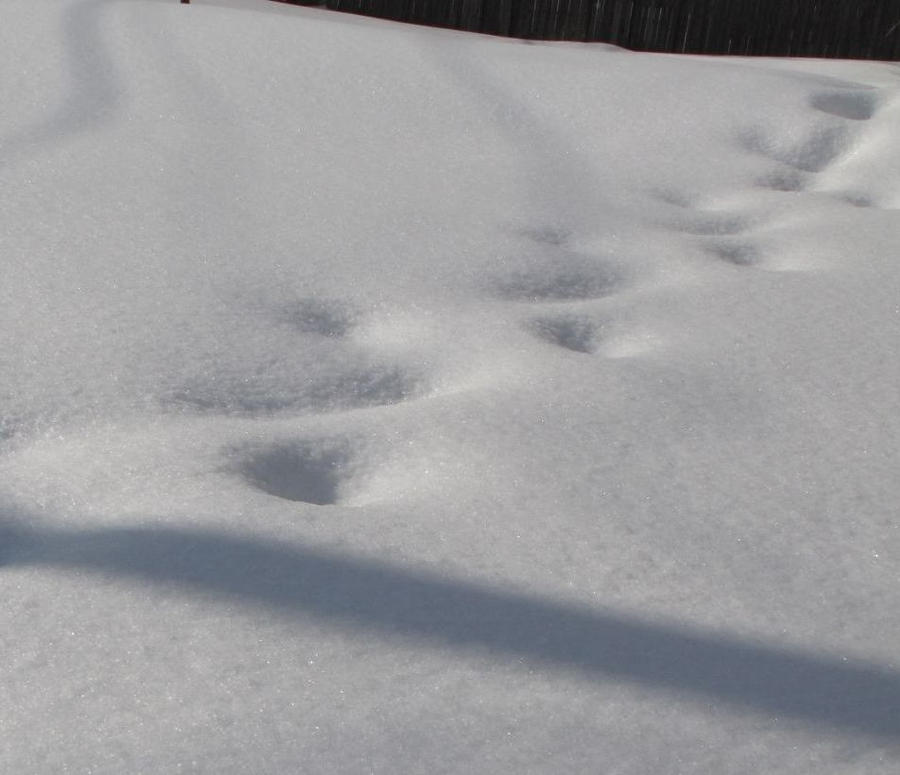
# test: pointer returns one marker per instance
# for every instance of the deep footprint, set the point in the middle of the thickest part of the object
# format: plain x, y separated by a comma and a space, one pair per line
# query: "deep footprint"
856, 106
708, 225
822, 147
318, 316
275, 393
548, 235
571, 282
738, 253
856, 199
305, 472
674, 198
571, 332
788, 180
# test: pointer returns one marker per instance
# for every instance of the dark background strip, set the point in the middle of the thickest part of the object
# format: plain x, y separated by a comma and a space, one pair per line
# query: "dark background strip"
854, 29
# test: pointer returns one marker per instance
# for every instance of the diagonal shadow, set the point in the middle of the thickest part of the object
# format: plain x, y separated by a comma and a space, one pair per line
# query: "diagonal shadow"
93, 90
300, 581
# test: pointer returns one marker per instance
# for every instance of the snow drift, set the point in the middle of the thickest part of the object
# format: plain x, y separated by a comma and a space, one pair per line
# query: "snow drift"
383, 399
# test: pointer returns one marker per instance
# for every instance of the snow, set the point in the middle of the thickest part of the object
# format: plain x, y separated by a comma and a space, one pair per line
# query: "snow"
379, 399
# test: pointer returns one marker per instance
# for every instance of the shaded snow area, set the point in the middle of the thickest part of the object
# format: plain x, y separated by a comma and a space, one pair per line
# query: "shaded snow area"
378, 399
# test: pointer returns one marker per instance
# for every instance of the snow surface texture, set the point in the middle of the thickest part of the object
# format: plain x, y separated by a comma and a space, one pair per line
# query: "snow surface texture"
387, 400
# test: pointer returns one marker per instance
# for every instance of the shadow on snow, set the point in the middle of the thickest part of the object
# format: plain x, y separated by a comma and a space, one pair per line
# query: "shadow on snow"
306, 582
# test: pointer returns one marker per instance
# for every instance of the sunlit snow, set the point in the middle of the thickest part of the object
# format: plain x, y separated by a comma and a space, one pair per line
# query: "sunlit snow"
380, 399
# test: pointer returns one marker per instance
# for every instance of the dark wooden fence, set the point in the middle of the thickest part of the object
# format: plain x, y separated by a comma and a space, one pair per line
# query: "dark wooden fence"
858, 29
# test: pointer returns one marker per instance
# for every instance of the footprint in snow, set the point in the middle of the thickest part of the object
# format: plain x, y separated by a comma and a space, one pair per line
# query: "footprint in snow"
692, 219
674, 197
556, 236
726, 226
278, 390
318, 370
737, 253
715, 224
820, 148
577, 333
823, 146
572, 278
856, 199
322, 317
550, 270
851, 105
784, 179
315, 471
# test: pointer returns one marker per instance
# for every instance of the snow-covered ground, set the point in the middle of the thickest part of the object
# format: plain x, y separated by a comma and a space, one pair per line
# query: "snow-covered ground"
392, 400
